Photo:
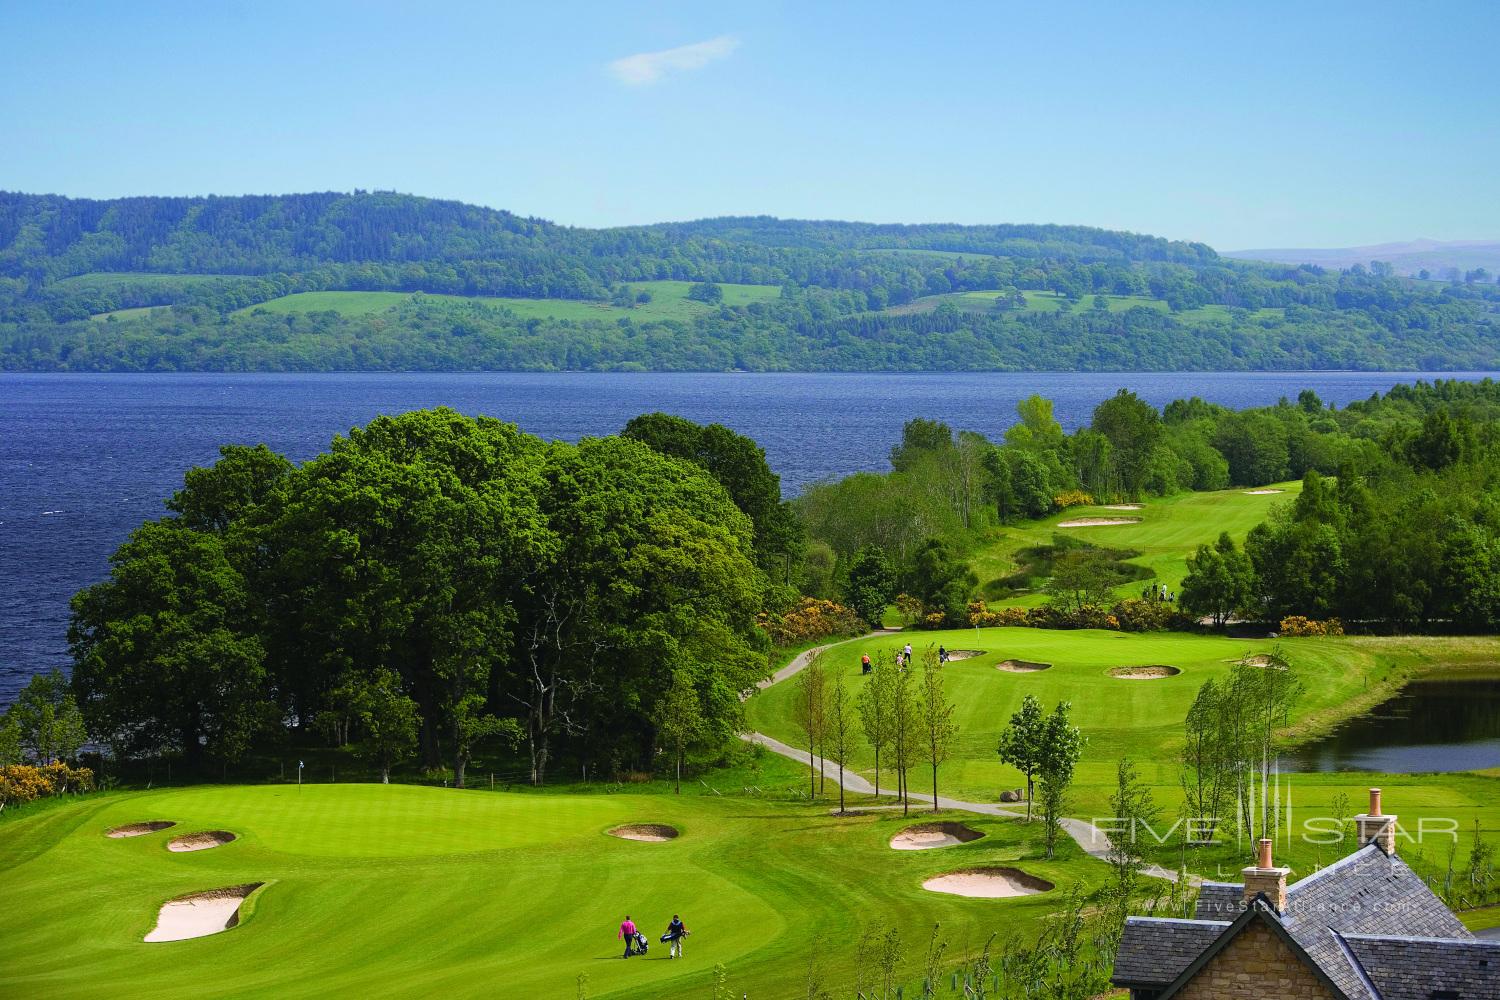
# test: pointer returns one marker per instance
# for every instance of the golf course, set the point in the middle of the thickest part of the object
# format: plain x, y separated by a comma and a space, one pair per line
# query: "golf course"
403, 890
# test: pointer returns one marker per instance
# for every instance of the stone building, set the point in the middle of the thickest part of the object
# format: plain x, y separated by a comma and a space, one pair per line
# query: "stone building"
1364, 928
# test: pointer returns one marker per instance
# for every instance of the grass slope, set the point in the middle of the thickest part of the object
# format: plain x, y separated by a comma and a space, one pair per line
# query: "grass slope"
416, 891
668, 301
1170, 530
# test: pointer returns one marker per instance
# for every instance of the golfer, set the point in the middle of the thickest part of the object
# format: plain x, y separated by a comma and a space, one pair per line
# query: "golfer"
675, 933
627, 931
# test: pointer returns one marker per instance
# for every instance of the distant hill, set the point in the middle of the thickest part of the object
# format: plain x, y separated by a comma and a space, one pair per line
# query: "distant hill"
1441, 260
382, 281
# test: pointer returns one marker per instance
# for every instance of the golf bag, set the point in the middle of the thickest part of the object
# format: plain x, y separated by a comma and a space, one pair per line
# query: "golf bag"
641, 944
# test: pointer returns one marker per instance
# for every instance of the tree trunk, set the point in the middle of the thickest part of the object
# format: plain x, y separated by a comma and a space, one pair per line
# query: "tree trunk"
877, 772
679, 772
385, 775
812, 776
841, 788
1030, 791
460, 761
934, 788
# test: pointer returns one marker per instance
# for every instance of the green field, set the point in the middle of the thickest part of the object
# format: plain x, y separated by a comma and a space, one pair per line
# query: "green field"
668, 301
1143, 719
410, 891
1042, 301
1170, 530
132, 313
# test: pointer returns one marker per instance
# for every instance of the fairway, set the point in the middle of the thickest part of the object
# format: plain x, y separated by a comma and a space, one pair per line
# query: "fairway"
1170, 529
396, 890
668, 301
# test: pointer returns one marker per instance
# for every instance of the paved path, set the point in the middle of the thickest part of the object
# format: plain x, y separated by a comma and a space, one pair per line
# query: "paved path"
1093, 840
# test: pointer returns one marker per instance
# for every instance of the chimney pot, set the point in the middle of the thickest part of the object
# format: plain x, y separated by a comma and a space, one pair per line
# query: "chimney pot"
1375, 802
1265, 854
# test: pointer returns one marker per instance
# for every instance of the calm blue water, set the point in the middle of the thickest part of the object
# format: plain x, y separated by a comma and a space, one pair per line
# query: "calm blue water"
86, 458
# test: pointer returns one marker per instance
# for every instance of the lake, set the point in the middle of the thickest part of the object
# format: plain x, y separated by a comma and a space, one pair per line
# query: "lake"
86, 458
1432, 725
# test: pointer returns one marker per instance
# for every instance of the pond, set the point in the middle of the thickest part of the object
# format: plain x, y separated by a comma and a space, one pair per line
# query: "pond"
1432, 725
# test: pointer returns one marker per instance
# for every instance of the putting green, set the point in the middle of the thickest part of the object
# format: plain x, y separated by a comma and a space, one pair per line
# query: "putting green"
414, 891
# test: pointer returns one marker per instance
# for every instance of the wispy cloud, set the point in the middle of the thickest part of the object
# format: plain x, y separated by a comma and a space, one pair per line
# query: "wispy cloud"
648, 67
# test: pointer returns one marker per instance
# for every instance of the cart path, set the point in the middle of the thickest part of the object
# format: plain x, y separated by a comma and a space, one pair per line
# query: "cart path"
1094, 841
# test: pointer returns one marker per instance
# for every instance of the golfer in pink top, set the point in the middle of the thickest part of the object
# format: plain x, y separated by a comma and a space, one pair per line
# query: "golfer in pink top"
627, 931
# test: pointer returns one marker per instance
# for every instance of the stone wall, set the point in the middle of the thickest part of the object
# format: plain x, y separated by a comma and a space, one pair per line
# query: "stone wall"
1255, 964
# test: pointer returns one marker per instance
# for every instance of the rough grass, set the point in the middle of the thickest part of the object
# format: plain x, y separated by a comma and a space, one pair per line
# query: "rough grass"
410, 891
1170, 530
668, 301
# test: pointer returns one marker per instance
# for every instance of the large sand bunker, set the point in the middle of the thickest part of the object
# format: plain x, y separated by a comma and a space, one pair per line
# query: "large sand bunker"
926, 836
201, 914
1153, 672
1121, 506
963, 654
650, 833
1265, 661
1261, 493
988, 883
1022, 666
200, 841
140, 829
1098, 522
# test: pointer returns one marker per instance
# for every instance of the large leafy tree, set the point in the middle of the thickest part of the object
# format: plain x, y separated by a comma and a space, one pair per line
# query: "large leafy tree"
652, 571
402, 547
740, 466
163, 659
870, 584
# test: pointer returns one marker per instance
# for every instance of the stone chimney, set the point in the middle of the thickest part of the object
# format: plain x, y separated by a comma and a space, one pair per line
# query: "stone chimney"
1374, 827
1264, 878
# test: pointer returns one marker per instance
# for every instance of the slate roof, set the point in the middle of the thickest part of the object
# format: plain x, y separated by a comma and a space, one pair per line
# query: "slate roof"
1220, 901
1416, 968
1155, 950
1368, 923
1367, 893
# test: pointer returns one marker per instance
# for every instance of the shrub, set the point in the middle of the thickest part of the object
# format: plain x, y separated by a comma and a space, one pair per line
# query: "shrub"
1136, 615
810, 619
27, 782
935, 620
1301, 626
1073, 498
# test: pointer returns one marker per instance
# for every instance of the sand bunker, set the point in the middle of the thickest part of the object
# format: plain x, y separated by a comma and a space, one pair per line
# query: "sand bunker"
1261, 493
200, 841
1022, 666
650, 833
963, 654
201, 914
926, 836
140, 829
988, 883
1264, 661
1098, 522
1148, 673
1121, 506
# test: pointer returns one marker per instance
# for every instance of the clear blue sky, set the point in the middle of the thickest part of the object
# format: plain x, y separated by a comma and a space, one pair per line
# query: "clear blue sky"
1297, 124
